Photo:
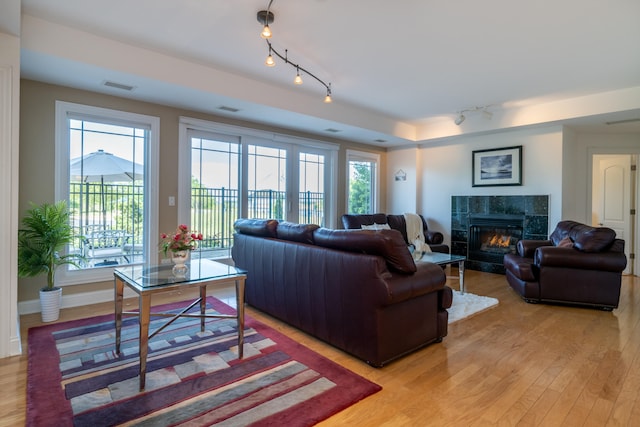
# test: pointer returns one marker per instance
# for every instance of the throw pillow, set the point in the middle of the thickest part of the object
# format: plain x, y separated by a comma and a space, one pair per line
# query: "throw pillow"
565, 243
595, 240
376, 227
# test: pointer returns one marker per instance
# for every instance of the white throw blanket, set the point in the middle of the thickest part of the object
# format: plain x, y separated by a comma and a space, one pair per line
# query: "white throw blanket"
415, 233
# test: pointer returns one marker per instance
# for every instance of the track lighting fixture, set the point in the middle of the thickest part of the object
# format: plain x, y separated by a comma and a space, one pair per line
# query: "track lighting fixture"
269, 62
266, 17
461, 117
298, 79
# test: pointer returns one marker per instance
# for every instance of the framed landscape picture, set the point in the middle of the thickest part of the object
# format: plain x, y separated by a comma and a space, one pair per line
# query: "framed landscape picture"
494, 167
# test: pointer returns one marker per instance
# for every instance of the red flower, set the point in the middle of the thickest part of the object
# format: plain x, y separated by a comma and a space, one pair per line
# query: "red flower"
181, 240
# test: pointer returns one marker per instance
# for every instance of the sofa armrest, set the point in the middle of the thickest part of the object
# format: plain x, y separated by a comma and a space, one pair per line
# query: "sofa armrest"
553, 256
433, 237
527, 248
428, 278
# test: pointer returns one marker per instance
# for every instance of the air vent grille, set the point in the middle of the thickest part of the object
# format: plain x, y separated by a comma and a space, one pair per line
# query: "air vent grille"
229, 109
120, 86
617, 122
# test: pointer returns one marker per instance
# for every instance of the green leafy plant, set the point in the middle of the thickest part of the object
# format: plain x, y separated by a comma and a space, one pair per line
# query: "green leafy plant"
44, 234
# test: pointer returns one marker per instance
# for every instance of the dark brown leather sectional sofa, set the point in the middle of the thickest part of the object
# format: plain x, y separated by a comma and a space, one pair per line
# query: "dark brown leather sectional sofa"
358, 290
578, 265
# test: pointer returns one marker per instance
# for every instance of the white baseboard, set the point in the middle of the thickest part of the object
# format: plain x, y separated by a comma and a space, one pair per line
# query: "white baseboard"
74, 300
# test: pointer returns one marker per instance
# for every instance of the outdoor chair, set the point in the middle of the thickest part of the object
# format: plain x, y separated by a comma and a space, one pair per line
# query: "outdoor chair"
105, 246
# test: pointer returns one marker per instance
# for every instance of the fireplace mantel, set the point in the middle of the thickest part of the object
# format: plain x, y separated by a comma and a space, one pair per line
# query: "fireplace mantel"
533, 211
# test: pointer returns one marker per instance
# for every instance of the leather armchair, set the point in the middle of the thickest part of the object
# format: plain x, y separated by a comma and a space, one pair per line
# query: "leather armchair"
579, 264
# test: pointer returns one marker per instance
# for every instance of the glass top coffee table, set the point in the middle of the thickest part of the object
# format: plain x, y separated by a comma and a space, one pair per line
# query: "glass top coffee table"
444, 259
146, 280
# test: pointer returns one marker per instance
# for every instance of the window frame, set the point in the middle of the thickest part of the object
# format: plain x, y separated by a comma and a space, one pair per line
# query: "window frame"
250, 136
364, 156
63, 111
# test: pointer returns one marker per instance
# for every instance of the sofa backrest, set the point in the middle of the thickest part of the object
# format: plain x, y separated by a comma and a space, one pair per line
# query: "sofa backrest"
352, 221
584, 237
389, 244
257, 227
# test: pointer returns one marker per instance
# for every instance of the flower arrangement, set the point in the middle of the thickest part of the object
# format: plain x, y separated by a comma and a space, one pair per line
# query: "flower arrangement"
180, 240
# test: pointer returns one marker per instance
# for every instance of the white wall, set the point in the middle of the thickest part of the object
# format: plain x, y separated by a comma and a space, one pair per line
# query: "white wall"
445, 170
402, 196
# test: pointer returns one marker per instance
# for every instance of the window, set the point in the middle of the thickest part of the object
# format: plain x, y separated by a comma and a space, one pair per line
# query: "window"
267, 182
311, 201
362, 182
233, 172
215, 189
103, 171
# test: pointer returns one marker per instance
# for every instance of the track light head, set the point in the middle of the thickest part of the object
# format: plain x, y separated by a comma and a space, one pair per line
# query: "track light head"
265, 17
461, 118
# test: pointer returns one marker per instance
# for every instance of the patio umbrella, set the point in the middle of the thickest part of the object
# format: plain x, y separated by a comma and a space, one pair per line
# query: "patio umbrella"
102, 167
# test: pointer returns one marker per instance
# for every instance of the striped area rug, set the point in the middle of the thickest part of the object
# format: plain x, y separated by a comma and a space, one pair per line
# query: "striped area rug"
193, 378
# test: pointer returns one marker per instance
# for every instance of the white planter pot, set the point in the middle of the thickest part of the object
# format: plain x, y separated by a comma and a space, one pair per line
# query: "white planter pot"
50, 302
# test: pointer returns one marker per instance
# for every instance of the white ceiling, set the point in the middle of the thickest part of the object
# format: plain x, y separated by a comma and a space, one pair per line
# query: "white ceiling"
395, 68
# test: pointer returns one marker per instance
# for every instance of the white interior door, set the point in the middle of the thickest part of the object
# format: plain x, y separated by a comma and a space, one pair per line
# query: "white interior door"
614, 198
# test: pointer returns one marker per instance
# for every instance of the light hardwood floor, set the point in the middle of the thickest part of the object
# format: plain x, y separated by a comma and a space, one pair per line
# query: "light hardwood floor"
517, 364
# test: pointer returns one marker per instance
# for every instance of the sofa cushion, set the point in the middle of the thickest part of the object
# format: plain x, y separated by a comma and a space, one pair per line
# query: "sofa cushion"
388, 244
301, 233
594, 240
256, 227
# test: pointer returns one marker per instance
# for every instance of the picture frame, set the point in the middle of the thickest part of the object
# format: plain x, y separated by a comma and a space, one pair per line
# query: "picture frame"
497, 167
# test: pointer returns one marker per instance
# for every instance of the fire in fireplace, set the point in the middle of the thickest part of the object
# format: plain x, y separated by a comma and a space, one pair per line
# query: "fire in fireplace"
497, 242
491, 237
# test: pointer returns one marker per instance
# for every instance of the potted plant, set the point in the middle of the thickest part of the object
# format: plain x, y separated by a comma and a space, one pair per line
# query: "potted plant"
44, 234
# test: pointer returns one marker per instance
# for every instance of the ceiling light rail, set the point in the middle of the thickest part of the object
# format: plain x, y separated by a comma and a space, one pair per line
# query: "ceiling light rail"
266, 17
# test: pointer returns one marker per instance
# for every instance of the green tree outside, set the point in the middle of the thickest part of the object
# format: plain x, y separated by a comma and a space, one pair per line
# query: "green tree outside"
360, 197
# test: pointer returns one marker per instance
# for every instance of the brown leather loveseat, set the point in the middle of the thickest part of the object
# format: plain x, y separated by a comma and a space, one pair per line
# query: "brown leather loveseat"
359, 291
396, 222
579, 264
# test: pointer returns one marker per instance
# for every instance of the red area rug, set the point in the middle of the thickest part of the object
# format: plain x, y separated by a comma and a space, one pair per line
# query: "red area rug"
193, 378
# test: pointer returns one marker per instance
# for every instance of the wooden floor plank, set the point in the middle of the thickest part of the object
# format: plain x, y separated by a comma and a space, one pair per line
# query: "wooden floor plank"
516, 364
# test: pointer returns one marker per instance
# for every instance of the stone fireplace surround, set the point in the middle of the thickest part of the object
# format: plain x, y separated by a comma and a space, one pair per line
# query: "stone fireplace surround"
534, 211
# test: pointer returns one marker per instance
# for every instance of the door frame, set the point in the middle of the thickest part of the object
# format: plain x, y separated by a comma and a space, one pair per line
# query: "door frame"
633, 266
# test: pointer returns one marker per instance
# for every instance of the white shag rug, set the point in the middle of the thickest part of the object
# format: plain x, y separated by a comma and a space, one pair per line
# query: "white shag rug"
467, 305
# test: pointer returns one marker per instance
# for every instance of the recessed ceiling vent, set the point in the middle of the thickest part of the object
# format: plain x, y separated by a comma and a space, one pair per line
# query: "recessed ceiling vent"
229, 109
120, 86
332, 130
381, 141
617, 122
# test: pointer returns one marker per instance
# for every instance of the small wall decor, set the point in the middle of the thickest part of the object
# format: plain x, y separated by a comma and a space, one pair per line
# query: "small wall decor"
401, 175
496, 167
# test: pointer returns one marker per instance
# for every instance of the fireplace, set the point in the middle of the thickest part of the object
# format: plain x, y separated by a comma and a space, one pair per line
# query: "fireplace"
493, 236
507, 219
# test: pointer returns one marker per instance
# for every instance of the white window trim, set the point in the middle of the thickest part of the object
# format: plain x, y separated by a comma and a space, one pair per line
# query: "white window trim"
251, 136
74, 277
364, 156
